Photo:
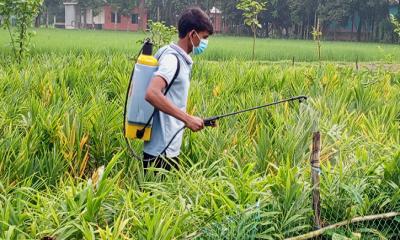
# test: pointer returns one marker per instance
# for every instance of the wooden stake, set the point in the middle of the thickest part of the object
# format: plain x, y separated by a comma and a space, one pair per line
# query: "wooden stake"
315, 174
357, 63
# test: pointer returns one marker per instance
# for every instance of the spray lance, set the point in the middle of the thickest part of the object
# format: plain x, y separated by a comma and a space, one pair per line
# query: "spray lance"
211, 121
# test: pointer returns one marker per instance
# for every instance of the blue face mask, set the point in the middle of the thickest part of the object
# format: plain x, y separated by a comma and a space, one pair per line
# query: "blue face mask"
202, 46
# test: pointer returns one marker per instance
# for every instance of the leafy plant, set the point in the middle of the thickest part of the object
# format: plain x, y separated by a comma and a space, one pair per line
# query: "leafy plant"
24, 11
251, 9
161, 34
317, 34
396, 24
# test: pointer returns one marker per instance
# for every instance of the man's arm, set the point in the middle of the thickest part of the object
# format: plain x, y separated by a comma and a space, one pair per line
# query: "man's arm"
155, 97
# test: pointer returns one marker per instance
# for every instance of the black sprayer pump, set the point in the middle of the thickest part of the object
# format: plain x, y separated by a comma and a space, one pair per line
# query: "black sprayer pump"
147, 48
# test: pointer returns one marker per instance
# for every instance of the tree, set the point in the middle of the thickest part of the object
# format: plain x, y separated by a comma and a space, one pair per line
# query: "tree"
24, 11
333, 13
277, 16
317, 34
369, 19
232, 16
251, 9
396, 24
168, 10
303, 14
369, 12
46, 6
378, 12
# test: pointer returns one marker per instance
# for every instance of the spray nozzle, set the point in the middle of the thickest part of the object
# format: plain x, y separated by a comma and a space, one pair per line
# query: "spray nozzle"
302, 99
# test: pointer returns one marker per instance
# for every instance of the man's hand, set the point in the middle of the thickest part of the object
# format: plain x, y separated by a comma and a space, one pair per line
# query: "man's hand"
195, 123
155, 97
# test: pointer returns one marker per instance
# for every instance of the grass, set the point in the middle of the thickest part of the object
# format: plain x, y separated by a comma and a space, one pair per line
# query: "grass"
61, 119
220, 48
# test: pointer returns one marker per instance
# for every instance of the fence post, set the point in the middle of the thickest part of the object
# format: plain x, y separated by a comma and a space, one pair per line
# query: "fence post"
315, 174
357, 63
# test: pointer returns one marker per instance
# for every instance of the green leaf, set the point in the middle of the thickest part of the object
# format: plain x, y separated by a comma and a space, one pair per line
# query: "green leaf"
336, 236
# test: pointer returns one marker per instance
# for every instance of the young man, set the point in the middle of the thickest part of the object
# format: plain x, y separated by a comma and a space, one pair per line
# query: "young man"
194, 27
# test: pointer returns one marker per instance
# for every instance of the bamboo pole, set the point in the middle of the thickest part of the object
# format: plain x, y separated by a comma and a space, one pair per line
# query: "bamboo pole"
315, 174
321, 231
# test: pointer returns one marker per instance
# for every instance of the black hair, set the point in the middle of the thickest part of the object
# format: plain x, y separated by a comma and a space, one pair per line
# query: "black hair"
194, 19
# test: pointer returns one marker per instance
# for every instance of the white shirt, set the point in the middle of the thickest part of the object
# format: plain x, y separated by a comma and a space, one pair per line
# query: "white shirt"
165, 126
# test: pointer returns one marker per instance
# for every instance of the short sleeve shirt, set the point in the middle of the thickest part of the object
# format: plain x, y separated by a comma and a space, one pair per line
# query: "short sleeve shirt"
165, 126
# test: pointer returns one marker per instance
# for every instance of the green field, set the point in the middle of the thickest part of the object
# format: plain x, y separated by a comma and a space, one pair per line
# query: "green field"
61, 116
221, 48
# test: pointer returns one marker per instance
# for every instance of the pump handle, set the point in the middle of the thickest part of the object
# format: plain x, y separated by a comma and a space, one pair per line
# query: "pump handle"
211, 122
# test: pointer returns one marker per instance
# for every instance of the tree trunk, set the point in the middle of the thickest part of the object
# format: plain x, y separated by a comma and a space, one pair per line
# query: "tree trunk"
22, 39
254, 42
315, 19
37, 20
334, 32
352, 27
158, 13
373, 29
359, 29
301, 31
84, 18
47, 18
12, 41
215, 16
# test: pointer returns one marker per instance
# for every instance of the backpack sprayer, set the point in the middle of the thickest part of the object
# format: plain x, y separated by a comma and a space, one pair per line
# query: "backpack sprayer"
138, 113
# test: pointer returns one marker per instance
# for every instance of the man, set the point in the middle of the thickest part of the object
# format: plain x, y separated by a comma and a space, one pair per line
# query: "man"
194, 27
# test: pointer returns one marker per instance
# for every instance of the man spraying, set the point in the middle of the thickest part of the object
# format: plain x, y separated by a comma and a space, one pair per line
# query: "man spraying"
175, 66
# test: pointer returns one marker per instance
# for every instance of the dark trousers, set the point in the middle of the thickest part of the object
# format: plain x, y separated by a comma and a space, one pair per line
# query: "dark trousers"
159, 162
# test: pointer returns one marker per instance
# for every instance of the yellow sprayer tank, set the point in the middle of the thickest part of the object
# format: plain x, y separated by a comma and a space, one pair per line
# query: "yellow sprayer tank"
139, 111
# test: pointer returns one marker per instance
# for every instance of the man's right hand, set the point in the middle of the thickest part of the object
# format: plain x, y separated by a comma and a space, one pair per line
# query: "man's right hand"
195, 123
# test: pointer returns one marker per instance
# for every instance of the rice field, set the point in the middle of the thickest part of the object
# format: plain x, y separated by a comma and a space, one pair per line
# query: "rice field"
220, 47
61, 115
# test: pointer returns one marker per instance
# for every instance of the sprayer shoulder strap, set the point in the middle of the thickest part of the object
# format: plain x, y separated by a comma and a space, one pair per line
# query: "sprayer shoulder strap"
178, 68
176, 73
